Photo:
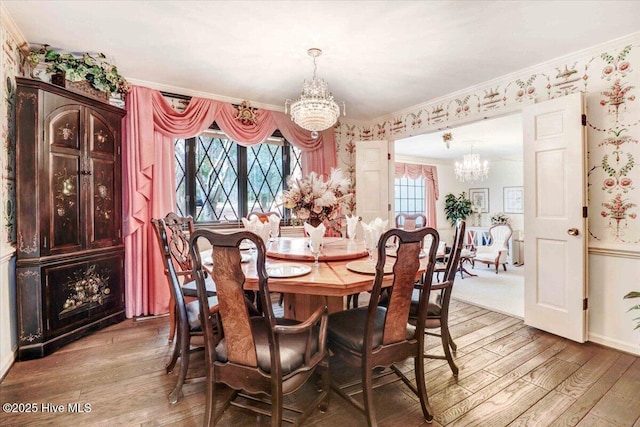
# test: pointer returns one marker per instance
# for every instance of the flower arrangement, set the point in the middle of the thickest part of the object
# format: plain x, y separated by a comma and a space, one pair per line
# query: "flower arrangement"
93, 68
499, 218
312, 198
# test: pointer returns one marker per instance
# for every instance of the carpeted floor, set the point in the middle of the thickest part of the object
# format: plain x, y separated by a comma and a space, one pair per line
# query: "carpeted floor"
502, 292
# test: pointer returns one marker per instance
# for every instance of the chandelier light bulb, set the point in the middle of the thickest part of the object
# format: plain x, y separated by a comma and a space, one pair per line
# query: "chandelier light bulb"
316, 109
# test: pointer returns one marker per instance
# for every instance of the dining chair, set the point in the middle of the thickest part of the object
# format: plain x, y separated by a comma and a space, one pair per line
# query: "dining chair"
174, 246
379, 336
496, 252
179, 229
410, 221
438, 310
258, 354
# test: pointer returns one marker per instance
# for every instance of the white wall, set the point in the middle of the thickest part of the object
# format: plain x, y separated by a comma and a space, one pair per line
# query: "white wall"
8, 331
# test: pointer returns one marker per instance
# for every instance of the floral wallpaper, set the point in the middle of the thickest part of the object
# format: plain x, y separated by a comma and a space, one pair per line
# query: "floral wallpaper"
609, 78
12, 65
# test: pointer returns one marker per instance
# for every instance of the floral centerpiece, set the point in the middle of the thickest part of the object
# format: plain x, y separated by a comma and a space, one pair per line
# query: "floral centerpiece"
499, 218
315, 200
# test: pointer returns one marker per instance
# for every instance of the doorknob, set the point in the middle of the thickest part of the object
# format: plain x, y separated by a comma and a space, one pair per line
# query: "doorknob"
573, 232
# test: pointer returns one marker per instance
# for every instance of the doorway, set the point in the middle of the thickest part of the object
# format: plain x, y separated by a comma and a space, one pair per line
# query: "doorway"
500, 142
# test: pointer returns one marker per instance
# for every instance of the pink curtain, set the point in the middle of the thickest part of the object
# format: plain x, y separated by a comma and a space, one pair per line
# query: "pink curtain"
430, 174
150, 128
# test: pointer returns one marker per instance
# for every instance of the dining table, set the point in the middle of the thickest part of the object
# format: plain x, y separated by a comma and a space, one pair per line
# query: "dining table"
343, 269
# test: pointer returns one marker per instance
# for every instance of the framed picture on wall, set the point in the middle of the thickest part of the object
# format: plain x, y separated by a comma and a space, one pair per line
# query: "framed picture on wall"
479, 199
513, 199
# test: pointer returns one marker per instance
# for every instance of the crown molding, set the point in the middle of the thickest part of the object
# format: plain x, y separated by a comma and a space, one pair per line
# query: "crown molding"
200, 94
7, 22
535, 69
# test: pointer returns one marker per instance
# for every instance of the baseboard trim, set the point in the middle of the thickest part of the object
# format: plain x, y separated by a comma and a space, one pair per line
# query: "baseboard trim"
615, 344
7, 363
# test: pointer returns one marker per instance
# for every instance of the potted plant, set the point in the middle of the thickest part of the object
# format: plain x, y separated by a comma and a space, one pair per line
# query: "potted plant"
91, 68
635, 307
459, 207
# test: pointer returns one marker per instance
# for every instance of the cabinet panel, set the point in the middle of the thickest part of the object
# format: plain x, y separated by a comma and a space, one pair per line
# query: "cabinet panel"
103, 209
80, 290
102, 138
64, 204
63, 128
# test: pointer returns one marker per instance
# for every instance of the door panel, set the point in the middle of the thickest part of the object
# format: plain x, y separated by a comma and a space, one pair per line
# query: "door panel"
555, 176
372, 179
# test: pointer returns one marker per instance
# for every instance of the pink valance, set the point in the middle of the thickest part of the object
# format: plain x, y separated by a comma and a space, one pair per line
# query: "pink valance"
432, 193
150, 128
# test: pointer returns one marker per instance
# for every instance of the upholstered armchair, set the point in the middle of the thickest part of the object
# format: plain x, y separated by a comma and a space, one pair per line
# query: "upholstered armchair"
496, 252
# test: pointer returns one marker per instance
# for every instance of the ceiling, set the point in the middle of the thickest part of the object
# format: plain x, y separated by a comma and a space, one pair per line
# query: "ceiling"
379, 56
493, 139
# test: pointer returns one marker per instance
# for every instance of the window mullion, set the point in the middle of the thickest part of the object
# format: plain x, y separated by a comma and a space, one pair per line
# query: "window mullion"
243, 202
190, 181
286, 171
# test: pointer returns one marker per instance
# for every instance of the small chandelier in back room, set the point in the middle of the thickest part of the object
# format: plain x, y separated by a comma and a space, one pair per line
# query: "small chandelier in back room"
471, 169
315, 110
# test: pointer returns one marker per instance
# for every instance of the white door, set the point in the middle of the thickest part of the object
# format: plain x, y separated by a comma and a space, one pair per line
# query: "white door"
372, 179
556, 240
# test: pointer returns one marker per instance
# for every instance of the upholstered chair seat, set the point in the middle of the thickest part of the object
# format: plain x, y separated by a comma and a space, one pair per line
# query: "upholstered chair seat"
347, 327
292, 347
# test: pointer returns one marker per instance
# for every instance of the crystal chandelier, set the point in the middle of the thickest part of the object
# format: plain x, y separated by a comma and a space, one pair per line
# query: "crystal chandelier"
315, 110
471, 169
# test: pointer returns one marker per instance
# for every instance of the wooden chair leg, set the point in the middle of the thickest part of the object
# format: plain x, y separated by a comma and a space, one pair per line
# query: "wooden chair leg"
422, 389
172, 319
210, 403
453, 345
352, 301
504, 266
445, 336
174, 355
324, 378
497, 265
367, 395
276, 404
184, 363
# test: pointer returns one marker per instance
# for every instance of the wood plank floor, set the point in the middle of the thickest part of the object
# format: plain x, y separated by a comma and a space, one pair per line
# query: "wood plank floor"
510, 375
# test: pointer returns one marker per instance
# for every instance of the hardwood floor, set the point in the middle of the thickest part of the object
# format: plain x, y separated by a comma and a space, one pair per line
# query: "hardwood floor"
510, 375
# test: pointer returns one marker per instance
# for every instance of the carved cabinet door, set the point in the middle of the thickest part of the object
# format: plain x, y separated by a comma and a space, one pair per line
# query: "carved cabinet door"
83, 204
61, 200
78, 291
102, 181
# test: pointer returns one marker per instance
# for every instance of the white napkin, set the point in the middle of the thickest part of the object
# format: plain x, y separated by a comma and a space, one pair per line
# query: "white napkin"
316, 234
375, 228
352, 224
380, 225
250, 224
262, 230
274, 224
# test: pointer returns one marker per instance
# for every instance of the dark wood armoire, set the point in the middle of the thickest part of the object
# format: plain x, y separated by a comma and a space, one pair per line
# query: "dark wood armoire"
70, 255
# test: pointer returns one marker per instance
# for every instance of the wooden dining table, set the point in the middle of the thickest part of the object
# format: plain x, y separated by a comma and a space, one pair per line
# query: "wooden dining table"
327, 283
